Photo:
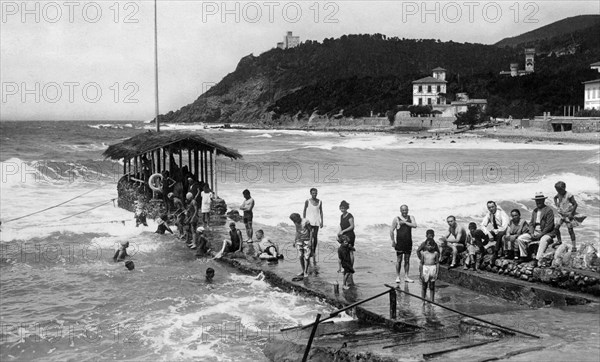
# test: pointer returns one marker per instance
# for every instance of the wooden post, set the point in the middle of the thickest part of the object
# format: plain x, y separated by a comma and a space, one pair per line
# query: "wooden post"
214, 185
212, 171
158, 161
392, 304
181, 163
310, 339
135, 166
201, 175
196, 161
190, 162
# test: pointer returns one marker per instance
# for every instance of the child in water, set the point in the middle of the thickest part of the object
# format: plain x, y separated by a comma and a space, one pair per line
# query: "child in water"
345, 260
121, 253
429, 266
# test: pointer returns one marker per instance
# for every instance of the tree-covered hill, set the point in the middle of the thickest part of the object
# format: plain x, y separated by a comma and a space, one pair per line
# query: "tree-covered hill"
360, 74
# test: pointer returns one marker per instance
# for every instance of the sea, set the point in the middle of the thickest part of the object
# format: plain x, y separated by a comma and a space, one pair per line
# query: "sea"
63, 298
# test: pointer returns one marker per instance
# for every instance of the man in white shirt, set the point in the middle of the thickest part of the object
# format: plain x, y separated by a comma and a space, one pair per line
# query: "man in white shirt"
494, 224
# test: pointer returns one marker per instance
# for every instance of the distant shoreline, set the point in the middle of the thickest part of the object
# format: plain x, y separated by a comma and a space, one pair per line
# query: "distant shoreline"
505, 134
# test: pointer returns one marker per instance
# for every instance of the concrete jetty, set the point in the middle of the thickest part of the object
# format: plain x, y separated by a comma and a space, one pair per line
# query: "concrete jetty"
420, 331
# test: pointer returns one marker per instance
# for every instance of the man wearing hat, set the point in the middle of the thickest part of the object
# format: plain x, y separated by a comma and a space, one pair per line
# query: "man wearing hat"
541, 228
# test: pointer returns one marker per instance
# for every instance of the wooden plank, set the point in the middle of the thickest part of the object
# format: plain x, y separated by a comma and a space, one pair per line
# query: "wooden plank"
312, 336
421, 341
465, 314
438, 353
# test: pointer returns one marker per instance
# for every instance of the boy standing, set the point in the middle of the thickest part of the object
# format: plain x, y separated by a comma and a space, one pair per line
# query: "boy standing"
567, 206
345, 261
302, 242
429, 265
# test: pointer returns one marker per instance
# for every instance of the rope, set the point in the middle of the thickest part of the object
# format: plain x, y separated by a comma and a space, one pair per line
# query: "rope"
51, 207
75, 224
95, 207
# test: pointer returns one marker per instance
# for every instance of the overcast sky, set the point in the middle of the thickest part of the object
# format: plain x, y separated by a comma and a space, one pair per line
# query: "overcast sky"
94, 60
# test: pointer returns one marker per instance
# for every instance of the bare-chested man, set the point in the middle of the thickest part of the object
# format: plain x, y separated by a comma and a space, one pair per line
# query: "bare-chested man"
455, 238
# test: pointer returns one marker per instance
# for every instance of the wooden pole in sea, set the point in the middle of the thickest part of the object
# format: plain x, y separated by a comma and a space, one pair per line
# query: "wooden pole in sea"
156, 65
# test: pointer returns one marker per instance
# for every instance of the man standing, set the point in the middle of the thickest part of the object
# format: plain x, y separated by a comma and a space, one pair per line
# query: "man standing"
541, 228
247, 206
402, 243
455, 238
516, 228
498, 221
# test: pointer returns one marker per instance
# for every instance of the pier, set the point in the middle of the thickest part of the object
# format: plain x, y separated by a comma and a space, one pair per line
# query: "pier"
397, 325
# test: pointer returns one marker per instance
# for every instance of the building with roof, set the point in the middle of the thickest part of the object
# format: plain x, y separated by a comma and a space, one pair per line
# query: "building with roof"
289, 41
463, 102
430, 90
591, 94
529, 65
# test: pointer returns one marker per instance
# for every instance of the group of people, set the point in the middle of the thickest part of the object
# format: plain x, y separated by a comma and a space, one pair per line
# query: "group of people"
512, 237
497, 236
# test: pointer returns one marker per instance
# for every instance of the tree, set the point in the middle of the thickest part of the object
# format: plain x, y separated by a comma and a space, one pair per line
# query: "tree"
471, 117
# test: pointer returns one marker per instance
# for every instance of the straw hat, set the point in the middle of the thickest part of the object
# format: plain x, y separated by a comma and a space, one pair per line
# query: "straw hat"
539, 196
200, 229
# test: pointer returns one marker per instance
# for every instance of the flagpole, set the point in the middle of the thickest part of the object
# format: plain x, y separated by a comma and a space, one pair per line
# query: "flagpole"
156, 65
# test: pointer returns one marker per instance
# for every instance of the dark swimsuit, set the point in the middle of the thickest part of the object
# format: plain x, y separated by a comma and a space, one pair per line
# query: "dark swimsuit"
344, 224
235, 240
404, 238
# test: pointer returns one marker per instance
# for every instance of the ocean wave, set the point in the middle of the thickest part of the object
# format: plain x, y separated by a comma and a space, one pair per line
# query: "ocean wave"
111, 126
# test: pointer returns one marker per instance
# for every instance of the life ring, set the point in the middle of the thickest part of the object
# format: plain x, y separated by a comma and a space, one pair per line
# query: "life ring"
152, 182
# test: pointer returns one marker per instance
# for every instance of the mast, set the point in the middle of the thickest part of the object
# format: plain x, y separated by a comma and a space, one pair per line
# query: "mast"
156, 66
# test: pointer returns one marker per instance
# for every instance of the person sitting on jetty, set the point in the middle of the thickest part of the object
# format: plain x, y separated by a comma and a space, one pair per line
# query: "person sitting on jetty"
516, 228
302, 242
429, 265
162, 226
266, 248
313, 212
344, 261
121, 253
498, 221
206, 196
202, 245
476, 242
541, 228
402, 243
566, 208
455, 239
247, 206
234, 244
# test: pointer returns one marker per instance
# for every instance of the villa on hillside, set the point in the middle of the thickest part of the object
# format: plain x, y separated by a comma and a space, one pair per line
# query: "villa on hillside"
591, 95
430, 90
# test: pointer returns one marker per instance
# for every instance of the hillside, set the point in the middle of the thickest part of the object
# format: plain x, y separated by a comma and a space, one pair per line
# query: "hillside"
559, 28
359, 74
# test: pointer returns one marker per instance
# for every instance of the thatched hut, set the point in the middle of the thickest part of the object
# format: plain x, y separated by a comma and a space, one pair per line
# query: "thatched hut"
177, 154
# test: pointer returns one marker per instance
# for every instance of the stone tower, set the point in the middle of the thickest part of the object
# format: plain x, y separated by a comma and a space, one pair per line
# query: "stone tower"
529, 59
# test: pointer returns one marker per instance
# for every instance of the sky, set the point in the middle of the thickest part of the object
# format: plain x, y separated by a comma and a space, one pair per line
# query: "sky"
94, 60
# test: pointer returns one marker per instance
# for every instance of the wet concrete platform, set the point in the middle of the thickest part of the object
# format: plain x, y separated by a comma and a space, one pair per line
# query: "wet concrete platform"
419, 329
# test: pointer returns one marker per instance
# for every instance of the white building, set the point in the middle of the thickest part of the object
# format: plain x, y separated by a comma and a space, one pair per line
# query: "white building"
591, 95
430, 90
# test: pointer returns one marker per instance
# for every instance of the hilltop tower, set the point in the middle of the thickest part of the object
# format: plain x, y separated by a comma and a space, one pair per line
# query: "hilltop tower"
514, 69
529, 59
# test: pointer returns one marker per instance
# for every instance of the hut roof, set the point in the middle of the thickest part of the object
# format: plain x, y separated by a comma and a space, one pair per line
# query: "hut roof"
176, 140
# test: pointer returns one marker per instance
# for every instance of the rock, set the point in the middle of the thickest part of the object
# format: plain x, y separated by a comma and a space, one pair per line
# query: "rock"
524, 277
219, 206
